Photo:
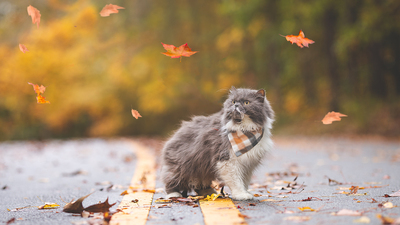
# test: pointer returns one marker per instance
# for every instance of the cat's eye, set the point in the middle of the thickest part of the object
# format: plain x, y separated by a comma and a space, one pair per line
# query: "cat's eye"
233, 102
246, 102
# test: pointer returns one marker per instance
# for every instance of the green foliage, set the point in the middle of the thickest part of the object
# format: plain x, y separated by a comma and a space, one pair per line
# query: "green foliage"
97, 68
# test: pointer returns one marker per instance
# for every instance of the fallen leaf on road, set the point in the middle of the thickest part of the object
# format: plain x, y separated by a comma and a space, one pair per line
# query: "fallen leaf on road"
271, 200
389, 205
347, 212
306, 209
362, 219
212, 197
10, 221
181, 199
396, 194
23, 48
110, 8
243, 216
100, 207
386, 219
78, 172
48, 205
75, 206
333, 182
135, 114
353, 189
17, 209
163, 206
257, 195
298, 218
162, 201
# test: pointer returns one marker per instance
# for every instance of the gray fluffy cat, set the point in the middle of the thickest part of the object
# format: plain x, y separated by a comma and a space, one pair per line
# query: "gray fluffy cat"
200, 151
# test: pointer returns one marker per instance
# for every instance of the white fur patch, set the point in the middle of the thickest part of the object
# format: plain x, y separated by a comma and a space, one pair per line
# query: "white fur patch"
237, 171
246, 125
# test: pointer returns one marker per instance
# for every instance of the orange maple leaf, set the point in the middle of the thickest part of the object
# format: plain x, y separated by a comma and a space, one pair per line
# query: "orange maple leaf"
300, 39
178, 52
110, 8
35, 14
332, 116
41, 99
135, 114
38, 89
23, 48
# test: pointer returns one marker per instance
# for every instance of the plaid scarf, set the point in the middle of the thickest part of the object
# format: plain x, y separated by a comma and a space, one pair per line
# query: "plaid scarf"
243, 142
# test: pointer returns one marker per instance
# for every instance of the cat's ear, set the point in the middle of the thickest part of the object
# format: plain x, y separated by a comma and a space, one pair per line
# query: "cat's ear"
233, 89
260, 95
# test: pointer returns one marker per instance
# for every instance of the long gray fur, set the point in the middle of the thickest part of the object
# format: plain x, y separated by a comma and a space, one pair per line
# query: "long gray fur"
190, 156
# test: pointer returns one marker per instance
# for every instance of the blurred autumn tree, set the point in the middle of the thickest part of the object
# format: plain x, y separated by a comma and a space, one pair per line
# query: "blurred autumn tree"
97, 68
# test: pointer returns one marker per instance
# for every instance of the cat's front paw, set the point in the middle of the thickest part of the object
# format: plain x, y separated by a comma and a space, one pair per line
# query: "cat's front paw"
174, 195
242, 196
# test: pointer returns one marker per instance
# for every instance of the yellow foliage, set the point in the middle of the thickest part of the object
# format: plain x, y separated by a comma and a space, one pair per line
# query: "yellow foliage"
293, 102
229, 38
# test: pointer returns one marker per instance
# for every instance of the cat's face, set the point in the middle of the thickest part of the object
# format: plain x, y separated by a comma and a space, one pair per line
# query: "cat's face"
246, 109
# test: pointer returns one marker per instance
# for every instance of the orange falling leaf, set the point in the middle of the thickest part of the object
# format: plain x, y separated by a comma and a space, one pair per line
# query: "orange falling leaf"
300, 39
35, 14
178, 52
135, 114
23, 48
38, 89
41, 99
110, 8
332, 116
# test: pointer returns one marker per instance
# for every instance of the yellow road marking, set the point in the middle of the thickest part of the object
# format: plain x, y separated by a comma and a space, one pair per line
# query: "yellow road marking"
220, 211
144, 178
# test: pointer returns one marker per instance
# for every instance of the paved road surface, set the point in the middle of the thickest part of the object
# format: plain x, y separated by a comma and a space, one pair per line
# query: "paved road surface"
32, 173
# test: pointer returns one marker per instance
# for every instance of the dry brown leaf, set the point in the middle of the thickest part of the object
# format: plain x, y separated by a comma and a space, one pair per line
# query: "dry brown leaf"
75, 206
332, 116
100, 207
35, 14
23, 48
135, 114
163, 206
110, 8
10, 221
353, 189
243, 216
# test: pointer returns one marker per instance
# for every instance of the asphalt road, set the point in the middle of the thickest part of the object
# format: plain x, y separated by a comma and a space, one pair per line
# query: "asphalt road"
32, 173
